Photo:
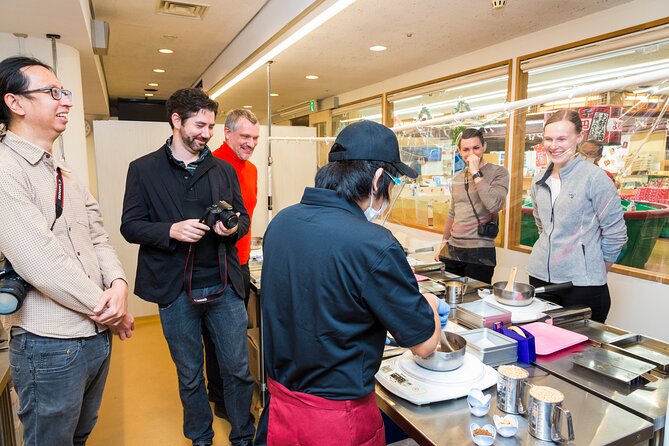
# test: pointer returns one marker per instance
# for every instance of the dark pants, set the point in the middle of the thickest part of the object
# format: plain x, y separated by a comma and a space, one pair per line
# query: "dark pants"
214, 381
477, 263
59, 383
595, 297
225, 319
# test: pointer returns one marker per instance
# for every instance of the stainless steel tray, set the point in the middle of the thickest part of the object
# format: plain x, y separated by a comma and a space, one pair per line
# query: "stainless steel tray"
490, 347
430, 286
597, 332
613, 365
479, 314
642, 348
487, 340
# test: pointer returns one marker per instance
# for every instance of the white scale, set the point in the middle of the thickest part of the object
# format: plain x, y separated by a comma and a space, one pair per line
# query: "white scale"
406, 379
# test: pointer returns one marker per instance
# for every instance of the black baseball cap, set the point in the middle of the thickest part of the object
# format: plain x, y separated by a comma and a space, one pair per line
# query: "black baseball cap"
369, 141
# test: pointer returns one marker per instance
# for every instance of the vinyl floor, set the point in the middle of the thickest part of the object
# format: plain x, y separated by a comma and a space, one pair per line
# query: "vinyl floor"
141, 406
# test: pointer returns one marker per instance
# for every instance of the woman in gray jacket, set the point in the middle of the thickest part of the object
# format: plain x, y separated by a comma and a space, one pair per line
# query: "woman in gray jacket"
580, 221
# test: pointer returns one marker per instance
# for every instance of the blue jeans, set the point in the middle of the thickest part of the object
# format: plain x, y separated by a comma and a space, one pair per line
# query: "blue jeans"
225, 319
59, 383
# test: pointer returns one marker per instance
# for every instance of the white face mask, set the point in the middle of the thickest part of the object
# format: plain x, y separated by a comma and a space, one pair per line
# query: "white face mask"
372, 214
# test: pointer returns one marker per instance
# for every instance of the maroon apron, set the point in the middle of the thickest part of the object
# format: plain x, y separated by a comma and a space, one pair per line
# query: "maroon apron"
300, 419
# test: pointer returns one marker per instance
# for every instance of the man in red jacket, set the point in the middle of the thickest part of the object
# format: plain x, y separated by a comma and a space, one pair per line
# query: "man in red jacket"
241, 137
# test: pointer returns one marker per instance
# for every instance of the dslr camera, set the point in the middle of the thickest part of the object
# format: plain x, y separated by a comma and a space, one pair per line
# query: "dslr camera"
489, 229
13, 288
223, 212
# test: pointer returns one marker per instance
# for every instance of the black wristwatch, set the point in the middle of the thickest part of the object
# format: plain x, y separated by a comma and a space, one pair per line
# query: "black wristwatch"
477, 175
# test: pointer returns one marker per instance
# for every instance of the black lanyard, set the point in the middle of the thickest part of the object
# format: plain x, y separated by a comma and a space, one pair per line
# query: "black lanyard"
59, 195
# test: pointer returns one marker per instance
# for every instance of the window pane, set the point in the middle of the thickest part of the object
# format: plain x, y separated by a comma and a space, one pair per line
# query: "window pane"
630, 127
432, 151
370, 111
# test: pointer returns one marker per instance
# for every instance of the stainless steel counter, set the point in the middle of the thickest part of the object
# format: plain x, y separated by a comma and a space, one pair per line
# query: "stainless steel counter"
648, 401
596, 422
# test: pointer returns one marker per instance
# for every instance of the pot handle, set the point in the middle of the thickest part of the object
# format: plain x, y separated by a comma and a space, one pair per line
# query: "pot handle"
557, 425
554, 287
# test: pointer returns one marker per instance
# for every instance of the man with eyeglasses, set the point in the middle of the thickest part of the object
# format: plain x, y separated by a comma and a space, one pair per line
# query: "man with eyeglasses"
51, 231
333, 283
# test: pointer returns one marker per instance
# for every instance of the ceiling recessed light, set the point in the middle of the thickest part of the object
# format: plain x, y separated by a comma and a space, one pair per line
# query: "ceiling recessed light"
377, 48
248, 106
274, 94
148, 94
158, 70
153, 84
165, 51
311, 76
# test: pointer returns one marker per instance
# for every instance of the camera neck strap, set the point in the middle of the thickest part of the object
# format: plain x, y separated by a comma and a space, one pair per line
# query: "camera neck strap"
188, 277
59, 195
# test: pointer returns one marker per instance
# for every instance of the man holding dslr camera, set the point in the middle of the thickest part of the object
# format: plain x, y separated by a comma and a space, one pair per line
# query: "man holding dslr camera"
177, 203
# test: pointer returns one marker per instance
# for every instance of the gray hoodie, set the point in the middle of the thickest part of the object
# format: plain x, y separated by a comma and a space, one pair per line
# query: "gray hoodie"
581, 231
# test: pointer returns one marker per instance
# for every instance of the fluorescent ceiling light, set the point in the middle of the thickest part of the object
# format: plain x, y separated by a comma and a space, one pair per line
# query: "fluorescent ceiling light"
153, 84
158, 70
311, 76
274, 94
165, 51
377, 48
599, 76
317, 21
247, 106
148, 94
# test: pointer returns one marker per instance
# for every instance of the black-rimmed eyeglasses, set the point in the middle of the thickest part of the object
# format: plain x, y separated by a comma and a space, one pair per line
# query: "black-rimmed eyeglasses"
55, 92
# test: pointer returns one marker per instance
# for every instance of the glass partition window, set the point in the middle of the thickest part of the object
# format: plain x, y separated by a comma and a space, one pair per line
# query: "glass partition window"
369, 110
432, 151
624, 132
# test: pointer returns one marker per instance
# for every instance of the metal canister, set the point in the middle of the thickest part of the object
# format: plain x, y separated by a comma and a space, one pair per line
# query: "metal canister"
511, 394
455, 291
544, 418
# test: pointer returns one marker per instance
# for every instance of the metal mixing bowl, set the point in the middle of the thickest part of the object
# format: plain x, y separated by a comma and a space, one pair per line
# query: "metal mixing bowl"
444, 359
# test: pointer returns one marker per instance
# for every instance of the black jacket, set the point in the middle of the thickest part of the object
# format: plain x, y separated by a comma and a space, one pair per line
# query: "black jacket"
152, 204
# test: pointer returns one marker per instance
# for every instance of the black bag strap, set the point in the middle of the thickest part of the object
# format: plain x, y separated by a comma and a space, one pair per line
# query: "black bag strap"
470, 198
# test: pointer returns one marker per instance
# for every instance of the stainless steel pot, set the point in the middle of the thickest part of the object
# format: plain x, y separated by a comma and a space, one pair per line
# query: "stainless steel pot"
522, 294
445, 358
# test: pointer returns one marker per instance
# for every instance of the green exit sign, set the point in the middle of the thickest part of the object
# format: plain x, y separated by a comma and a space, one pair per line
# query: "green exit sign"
312, 105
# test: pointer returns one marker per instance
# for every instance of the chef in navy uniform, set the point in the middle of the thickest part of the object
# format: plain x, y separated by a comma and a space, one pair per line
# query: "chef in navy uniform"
333, 284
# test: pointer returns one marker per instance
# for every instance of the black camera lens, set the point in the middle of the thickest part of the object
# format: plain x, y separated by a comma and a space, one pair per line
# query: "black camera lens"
229, 219
12, 288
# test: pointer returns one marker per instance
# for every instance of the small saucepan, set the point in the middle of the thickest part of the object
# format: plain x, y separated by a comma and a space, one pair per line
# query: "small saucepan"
450, 354
522, 294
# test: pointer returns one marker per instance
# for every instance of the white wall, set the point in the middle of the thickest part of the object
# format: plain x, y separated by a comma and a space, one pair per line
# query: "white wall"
69, 73
117, 143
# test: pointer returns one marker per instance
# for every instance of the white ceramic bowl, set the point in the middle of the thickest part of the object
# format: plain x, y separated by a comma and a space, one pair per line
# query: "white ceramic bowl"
506, 430
479, 404
483, 440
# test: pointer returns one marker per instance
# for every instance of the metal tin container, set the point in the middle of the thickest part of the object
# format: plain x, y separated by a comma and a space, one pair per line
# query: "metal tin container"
490, 347
512, 393
479, 314
544, 418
